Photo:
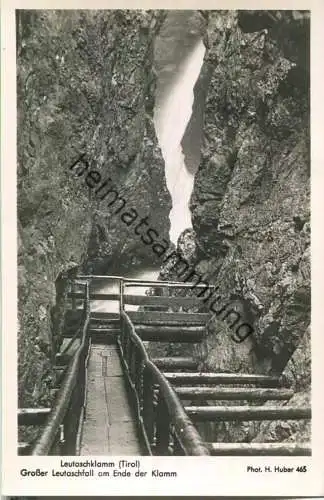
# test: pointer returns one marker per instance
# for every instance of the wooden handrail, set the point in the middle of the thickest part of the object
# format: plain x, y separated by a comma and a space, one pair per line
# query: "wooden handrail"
138, 300
97, 296
186, 433
169, 428
136, 282
54, 420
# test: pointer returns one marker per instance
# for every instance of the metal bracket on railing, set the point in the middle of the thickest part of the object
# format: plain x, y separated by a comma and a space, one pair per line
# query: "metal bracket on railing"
62, 437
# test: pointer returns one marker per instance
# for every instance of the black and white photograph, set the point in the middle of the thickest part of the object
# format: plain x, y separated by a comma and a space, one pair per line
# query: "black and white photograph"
163, 208
158, 189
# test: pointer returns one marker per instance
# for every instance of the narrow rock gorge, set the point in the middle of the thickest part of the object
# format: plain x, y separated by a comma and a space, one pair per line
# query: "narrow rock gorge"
96, 83
85, 85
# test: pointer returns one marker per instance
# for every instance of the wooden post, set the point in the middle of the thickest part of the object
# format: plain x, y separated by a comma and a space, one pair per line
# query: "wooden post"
86, 299
73, 299
128, 353
122, 334
177, 449
167, 293
123, 327
132, 360
121, 295
138, 372
148, 407
162, 427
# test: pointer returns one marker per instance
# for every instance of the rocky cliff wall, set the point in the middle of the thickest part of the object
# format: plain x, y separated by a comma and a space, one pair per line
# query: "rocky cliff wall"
250, 205
251, 201
85, 85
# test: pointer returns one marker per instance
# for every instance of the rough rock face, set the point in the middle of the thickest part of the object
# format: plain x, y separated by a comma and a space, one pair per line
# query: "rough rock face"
250, 205
85, 86
298, 374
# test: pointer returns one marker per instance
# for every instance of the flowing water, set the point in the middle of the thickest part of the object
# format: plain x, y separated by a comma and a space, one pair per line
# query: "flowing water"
113, 287
171, 118
172, 113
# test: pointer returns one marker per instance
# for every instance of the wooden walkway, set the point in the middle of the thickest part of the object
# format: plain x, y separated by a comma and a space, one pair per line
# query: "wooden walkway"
112, 398
109, 427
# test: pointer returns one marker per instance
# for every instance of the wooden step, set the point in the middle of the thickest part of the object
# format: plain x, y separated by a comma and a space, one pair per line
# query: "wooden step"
103, 321
24, 448
93, 328
149, 300
246, 413
176, 363
190, 334
107, 325
108, 331
32, 416
168, 318
247, 394
102, 336
267, 449
104, 315
222, 378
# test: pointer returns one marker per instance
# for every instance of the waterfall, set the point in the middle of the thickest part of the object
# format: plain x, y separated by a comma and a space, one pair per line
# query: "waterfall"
171, 116
149, 274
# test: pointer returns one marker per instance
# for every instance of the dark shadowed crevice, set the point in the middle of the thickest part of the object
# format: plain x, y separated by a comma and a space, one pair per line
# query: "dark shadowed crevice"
192, 139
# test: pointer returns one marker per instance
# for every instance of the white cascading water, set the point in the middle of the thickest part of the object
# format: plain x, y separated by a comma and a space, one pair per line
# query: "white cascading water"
113, 287
171, 117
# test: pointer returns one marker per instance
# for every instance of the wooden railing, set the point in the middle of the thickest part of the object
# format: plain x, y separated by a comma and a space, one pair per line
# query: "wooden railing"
166, 428
162, 421
165, 425
61, 428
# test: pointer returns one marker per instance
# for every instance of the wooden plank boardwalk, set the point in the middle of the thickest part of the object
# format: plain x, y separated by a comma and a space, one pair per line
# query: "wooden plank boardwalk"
171, 393
109, 427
